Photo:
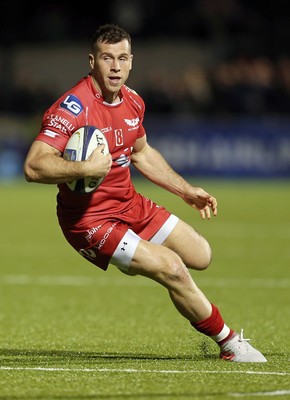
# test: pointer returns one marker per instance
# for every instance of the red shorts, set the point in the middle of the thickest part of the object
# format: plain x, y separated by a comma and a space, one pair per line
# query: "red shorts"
98, 239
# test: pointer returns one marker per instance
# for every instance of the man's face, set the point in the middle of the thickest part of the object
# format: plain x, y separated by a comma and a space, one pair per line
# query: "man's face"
111, 65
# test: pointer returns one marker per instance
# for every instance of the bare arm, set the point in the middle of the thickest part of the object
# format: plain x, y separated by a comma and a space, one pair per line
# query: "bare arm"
44, 164
154, 167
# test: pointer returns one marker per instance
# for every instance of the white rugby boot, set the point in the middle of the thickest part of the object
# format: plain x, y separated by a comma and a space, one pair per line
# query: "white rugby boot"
238, 349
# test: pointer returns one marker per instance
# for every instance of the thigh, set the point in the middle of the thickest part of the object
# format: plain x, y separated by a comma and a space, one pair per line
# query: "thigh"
136, 256
156, 262
97, 243
181, 244
190, 245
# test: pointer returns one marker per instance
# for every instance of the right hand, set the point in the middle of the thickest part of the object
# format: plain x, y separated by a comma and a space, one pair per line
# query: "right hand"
98, 165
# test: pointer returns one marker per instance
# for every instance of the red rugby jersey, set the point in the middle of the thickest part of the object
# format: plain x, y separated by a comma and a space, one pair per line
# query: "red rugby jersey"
121, 123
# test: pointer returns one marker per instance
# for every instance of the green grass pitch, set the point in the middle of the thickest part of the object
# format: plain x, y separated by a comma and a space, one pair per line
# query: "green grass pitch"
71, 331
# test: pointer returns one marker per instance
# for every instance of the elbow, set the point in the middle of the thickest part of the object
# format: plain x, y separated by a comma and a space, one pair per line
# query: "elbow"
27, 178
29, 174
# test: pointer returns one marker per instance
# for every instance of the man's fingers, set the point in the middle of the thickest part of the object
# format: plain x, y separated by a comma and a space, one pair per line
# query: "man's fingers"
206, 212
212, 203
202, 214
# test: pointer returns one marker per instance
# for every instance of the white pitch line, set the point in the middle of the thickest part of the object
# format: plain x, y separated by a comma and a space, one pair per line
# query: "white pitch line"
138, 371
273, 393
67, 280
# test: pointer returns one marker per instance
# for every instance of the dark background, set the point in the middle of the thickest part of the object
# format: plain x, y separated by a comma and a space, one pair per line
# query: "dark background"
247, 43
254, 27
205, 60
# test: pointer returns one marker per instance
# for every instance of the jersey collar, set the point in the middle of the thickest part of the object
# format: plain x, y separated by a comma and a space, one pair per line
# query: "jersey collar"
100, 98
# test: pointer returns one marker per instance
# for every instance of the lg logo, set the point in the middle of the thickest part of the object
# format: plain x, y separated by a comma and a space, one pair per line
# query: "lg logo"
72, 104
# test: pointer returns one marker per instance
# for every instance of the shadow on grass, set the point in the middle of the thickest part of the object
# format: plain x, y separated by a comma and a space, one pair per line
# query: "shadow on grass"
154, 396
14, 355
205, 353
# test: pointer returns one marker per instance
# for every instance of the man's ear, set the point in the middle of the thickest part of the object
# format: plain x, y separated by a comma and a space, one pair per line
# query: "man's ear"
91, 60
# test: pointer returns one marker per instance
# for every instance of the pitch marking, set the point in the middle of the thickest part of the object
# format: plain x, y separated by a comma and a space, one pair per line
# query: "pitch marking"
66, 280
133, 371
273, 393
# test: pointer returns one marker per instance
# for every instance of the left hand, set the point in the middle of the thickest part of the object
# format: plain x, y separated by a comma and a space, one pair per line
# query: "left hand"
202, 201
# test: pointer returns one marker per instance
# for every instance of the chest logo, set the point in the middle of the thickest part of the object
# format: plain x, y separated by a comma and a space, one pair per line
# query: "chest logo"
132, 122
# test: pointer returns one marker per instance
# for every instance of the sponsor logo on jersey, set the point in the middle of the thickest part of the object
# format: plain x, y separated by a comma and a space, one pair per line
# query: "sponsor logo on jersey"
132, 122
105, 237
91, 232
123, 160
107, 129
72, 104
58, 122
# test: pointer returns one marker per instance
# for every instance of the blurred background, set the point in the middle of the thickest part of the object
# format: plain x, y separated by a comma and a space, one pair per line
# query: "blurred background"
215, 76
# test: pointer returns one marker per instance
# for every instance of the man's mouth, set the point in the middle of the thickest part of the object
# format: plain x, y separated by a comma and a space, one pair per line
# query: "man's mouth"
115, 80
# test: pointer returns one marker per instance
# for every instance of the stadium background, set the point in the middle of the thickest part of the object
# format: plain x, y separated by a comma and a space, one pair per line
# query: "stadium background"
215, 75
219, 79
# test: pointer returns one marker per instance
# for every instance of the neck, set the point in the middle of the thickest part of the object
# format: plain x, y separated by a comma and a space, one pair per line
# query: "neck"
109, 97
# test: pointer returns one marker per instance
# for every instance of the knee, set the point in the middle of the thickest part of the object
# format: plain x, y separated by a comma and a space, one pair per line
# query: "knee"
193, 248
205, 255
200, 256
172, 271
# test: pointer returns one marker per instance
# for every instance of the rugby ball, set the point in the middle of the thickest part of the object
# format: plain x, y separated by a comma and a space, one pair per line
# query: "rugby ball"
78, 148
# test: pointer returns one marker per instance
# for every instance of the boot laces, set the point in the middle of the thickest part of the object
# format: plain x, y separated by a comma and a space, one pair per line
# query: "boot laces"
241, 337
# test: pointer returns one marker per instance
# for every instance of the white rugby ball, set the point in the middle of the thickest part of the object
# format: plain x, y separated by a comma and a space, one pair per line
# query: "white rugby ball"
78, 148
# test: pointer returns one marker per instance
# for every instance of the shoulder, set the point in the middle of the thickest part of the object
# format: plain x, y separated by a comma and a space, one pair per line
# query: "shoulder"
74, 100
131, 91
133, 97
80, 89
66, 114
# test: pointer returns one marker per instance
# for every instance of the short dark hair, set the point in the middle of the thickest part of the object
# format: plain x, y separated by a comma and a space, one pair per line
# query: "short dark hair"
109, 33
